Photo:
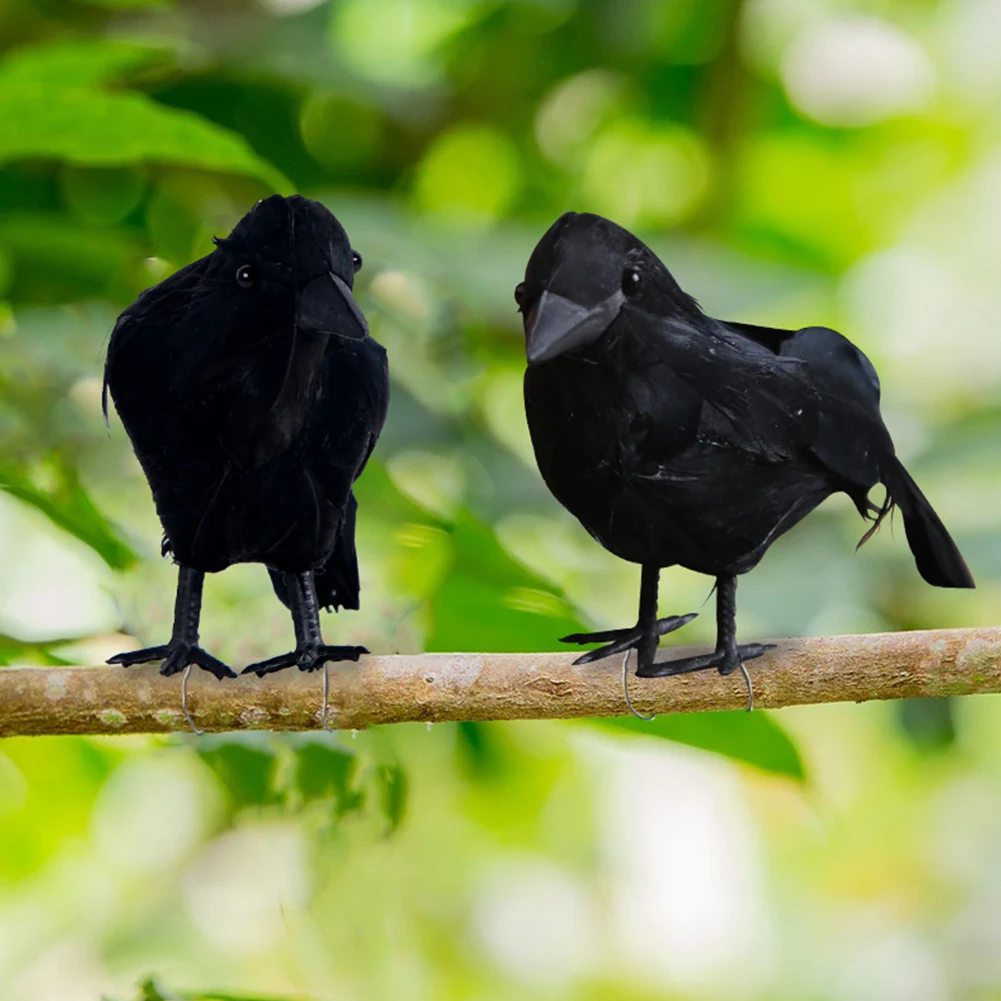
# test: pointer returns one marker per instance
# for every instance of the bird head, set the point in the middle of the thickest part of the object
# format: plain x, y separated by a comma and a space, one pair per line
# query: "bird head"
294, 251
582, 274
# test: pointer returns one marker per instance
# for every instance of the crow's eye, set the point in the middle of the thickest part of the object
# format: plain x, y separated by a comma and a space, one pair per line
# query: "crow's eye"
245, 276
519, 295
356, 260
632, 280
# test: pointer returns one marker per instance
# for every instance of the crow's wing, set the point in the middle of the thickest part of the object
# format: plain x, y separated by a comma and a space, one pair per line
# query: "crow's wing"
144, 338
351, 410
149, 354
705, 384
851, 439
142, 374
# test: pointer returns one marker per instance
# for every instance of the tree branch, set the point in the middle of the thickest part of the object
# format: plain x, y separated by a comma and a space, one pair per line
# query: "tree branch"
465, 686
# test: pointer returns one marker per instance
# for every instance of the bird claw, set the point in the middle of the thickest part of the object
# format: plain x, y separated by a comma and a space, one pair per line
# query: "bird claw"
175, 657
624, 639
749, 651
720, 659
310, 658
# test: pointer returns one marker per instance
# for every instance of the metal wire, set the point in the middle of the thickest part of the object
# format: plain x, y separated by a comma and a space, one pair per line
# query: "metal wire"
625, 691
750, 691
326, 700
184, 700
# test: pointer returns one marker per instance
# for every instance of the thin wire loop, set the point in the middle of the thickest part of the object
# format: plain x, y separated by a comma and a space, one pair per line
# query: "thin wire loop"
184, 700
750, 691
326, 700
625, 692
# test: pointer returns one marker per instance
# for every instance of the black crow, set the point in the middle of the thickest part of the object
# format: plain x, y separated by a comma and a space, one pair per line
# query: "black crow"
678, 439
253, 396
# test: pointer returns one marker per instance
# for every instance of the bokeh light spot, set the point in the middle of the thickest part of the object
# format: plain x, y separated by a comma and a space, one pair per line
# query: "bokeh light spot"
337, 132
102, 194
243, 889
643, 174
396, 41
573, 110
470, 175
856, 71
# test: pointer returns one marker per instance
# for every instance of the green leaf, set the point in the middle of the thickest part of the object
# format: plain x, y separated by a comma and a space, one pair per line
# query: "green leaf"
489, 601
246, 768
21, 652
754, 738
326, 772
77, 63
481, 599
378, 496
105, 129
51, 107
66, 504
394, 787
151, 990
60, 258
477, 750
129, 4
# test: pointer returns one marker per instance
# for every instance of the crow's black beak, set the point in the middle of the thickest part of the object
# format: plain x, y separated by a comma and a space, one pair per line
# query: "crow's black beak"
326, 305
556, 325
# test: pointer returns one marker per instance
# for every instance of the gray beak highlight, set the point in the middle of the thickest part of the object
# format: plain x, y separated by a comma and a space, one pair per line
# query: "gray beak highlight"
327, 305
556, 325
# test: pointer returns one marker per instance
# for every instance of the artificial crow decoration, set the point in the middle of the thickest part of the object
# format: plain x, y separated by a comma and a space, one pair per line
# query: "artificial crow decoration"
678, 439
253, 396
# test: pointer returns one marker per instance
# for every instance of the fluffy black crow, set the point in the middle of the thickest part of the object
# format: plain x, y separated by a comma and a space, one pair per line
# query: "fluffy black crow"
678, 439
253, 396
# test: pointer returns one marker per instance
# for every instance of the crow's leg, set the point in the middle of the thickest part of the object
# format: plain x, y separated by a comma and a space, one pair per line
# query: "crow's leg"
310, 653
644, 636
728, 656
183, 650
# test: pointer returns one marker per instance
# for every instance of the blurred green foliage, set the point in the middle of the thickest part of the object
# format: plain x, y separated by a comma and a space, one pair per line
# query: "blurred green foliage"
751, 737
803, 162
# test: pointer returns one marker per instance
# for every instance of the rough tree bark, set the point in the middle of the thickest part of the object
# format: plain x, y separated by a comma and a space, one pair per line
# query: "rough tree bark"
485, 686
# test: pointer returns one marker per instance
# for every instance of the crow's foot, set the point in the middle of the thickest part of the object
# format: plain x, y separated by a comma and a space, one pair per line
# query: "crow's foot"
726, 661
625, 639
306, 658
176, 657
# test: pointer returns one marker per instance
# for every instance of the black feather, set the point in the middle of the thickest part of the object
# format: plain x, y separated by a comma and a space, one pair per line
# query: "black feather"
253, 396
678, 439
937, 557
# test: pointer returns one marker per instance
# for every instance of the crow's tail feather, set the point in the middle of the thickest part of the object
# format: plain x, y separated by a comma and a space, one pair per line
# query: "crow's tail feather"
337, 583
937, 557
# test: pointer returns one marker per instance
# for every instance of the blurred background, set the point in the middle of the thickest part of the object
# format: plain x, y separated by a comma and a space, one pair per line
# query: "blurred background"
794, 162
